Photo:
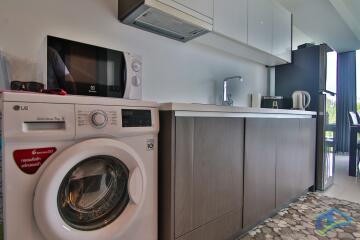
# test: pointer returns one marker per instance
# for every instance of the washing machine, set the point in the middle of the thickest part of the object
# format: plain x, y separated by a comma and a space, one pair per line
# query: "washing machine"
78, 168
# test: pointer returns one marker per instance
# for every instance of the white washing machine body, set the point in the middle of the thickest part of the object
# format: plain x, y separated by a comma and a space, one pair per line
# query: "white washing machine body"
74, 170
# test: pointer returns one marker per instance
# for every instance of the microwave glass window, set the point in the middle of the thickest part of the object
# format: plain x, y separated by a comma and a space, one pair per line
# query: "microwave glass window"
84, 69
110, 68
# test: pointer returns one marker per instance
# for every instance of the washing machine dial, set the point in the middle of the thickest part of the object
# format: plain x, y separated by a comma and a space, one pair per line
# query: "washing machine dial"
98, 119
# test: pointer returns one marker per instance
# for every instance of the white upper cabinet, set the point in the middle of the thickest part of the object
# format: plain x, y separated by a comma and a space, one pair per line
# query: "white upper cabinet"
205, 7
282, 29
259, 30
202, 9
230, 19
260, 24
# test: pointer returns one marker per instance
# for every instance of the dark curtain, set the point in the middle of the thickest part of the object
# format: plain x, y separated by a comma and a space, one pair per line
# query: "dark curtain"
346, 97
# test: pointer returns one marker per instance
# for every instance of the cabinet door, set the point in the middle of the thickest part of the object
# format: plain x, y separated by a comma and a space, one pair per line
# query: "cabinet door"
282, 33
308, 145
260, 30
184, 188
208, 174
230, 19
218, 168
259, 173
224, 228
205, 7
288, 161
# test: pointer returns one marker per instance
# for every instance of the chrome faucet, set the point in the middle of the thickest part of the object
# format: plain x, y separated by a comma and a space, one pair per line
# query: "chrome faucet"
227, 100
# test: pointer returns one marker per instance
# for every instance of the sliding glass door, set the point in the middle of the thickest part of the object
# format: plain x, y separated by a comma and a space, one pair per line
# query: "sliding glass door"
358, 97
330, 117
331, 80
358, 80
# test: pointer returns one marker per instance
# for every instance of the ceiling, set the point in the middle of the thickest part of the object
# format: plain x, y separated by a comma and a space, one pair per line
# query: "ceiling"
335, 22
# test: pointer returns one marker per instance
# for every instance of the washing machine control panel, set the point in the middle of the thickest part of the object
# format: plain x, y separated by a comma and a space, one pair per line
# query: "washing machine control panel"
136, 118
98, 118
101, 120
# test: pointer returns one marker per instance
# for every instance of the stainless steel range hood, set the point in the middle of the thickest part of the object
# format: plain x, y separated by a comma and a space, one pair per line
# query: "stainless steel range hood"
162, 19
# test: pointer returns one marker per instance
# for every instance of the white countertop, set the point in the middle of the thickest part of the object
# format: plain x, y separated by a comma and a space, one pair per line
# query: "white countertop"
209, 110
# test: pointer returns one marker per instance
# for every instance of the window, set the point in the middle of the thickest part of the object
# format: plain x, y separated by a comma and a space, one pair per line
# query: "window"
331, 80
358, 80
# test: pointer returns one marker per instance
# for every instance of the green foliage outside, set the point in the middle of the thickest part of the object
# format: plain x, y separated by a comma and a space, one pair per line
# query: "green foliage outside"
330, 115
331, 110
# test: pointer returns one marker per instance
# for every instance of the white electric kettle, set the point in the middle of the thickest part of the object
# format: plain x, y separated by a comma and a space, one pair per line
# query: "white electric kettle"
301, 100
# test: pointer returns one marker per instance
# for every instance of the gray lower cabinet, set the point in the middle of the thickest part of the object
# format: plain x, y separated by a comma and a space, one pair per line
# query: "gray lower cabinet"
259, 172
288, 161
219, 176
295, 167
184, 176
279, 164
205, 156
223, 227
308, 146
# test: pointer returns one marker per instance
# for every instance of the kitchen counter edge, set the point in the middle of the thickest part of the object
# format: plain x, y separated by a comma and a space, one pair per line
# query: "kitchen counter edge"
209, 110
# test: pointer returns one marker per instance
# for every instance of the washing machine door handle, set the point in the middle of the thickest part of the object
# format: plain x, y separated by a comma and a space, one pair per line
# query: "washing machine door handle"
135, 186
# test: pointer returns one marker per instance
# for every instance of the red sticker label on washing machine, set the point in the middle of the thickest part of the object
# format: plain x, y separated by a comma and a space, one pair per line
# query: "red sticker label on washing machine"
30, 160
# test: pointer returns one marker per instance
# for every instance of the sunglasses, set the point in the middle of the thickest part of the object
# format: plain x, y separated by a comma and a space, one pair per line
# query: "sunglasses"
27, 86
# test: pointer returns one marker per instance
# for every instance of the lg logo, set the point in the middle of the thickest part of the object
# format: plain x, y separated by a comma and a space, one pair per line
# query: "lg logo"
21, 108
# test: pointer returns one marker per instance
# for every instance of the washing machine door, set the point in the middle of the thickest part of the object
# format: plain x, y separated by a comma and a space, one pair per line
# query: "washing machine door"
92, 190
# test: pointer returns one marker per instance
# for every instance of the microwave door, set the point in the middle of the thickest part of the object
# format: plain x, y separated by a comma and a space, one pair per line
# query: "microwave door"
123, 79
116, 74
95, 71
81, 61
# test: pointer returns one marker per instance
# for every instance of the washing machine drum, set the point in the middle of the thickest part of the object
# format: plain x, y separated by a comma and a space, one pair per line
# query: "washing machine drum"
92, 190
93, 193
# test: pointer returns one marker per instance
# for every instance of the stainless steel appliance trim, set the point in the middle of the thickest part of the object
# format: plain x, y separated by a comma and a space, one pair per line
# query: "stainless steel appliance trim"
239, 115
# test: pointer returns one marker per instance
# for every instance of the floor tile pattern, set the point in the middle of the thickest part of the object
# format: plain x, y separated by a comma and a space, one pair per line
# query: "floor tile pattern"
298, 221
345, 187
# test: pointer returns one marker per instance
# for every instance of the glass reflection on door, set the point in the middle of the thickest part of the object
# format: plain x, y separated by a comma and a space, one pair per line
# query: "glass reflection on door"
358, 101
330, 117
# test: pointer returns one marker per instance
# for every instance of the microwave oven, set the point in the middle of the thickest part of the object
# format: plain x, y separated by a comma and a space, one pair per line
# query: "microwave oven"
83, 69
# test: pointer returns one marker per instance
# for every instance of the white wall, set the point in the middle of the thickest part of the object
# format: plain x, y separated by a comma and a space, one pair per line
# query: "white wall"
300, 38
173, 71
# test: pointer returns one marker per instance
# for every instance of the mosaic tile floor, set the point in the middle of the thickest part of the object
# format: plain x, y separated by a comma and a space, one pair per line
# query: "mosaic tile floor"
298, 221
